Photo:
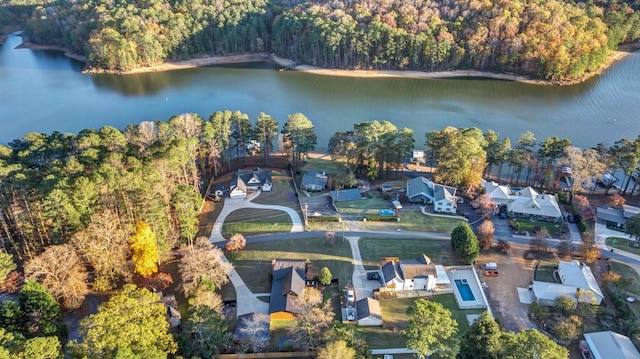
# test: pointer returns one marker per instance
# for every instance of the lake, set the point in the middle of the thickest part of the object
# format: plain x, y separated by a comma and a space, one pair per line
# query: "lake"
44, 91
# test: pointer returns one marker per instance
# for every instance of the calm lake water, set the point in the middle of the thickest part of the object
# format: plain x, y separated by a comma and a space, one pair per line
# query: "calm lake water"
44, 91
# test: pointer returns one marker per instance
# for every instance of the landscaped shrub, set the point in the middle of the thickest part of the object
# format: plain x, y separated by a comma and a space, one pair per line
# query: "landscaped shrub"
379, 218
323, 219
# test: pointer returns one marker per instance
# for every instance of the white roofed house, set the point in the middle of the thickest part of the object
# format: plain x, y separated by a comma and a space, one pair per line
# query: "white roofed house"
423, 190
608, 345
528, 203
498, 194
577, 282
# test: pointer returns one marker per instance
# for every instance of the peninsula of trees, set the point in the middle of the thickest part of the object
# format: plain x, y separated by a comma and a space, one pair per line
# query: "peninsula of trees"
554, 40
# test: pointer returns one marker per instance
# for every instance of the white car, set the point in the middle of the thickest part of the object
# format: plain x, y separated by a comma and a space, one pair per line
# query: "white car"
351, 296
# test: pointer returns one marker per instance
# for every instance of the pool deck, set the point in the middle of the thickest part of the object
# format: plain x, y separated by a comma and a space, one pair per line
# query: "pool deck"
474, 283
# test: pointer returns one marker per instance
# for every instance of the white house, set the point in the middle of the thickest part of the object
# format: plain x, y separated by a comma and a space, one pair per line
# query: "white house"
423, 190
243, 182
608, 344
412, 274
526, 203
418, 156
578, 283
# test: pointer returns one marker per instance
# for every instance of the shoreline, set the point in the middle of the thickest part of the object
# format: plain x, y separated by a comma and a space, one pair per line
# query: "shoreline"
620, 53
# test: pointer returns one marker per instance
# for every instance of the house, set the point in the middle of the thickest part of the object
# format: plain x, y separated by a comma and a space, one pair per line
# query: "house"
342, 195
525, 203
528, 203
243, 182
577, 282
608, 344
254, 325
499, 194
615, 217
423, 190
418, 156
219, 189
314, 181
369, 312
413, 274
287, 285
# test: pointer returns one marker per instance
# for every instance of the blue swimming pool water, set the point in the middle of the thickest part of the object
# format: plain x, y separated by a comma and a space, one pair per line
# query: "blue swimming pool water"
465, 290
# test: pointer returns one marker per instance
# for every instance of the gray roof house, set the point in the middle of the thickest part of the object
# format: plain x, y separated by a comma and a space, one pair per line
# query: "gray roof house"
369, 312
259, 333
287, 285
442, 197
314, 181
615, 217
342, 195
608, 344
412, 274
243, 182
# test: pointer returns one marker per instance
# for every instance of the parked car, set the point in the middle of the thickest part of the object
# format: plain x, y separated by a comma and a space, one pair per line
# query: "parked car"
373, 276
351, 296
491, 273
570, 219
503, 215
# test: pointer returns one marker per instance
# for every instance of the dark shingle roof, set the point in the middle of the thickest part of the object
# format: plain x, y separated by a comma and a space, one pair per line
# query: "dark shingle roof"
346, 195
287, 285
368, 307
243, 320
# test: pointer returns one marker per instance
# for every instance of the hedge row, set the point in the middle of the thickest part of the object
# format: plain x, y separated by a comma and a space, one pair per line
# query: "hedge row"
380, 218
323, 219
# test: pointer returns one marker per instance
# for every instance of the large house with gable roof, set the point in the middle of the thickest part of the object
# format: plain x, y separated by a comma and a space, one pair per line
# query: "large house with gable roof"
244, 182
443, 198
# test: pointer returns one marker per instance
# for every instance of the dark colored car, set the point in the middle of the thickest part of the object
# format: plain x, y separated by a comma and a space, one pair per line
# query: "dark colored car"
570, 219
373, 276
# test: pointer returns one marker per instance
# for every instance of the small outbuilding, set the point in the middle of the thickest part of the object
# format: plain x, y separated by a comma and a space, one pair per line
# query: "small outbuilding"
369, 312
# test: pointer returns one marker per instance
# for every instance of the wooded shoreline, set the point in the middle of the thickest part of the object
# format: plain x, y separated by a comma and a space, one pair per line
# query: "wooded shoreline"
288, 64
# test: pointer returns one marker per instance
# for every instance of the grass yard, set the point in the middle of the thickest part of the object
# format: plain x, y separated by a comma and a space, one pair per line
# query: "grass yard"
529, 226
396, 319
623, 244
323, 164
207, 217
251, 221
372, 249
254, 262
411, 220
282, 194
630, 280
544, 271
359, 208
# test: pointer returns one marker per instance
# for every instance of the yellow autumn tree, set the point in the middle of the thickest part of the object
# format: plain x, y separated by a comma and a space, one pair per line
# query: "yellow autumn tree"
144, 250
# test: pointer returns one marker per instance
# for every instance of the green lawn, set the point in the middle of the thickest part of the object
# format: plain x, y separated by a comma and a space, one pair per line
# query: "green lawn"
323, 164
359, 208
411, 220
529, 226
396, 319
251, 221
630, 280
372, 249
544, 271
282, 194
623, 244
254, 262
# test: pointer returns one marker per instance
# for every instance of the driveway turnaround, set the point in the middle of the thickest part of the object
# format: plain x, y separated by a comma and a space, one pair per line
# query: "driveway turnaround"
234, 204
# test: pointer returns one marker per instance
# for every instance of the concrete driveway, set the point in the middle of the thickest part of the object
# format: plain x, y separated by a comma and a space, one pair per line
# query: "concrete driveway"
362, 287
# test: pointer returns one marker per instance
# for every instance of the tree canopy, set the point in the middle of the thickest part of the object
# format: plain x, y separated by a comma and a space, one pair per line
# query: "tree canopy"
432, 330
464, 243
132, 322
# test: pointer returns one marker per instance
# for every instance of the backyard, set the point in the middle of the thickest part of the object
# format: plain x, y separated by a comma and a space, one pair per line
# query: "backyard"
323, 163
545, 269
361, 207
253, 263
394, 315
372, 249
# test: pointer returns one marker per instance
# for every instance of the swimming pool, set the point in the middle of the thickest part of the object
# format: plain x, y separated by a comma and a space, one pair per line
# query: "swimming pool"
465, 290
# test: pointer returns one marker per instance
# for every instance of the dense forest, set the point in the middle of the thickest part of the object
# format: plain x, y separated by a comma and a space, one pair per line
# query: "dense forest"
553, 39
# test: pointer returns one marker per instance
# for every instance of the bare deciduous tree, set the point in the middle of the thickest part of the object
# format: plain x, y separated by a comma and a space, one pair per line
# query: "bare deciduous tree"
201, 263
586, 166
204, 296
314, 319
252, 330
236, 242
104, 245
486, 233
61, 271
